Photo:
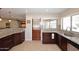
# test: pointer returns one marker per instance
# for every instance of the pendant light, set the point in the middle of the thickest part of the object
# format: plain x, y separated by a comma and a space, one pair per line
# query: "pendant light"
9, 16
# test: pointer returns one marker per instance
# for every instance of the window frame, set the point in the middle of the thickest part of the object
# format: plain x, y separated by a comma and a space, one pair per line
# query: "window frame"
49, 23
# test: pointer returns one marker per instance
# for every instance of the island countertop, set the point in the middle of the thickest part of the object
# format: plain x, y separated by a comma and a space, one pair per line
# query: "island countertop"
9, 31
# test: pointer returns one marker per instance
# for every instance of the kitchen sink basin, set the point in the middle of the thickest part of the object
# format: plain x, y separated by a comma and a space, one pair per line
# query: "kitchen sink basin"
69, 34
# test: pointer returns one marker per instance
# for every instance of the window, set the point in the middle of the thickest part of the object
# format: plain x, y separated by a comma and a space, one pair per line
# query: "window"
53, 24
66, 21
75, 23
49, 24
70, 23
45, 25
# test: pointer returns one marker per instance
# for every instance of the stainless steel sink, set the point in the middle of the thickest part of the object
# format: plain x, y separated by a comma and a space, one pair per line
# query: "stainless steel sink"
69, 34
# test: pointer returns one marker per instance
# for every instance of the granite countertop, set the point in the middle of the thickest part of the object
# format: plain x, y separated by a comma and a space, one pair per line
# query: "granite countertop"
73, 39
10, 31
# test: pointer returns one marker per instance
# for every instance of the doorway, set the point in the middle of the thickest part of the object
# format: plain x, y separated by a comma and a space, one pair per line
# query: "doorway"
36, 29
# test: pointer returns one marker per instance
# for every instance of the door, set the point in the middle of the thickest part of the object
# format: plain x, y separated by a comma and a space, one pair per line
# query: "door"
36, 34
36, 29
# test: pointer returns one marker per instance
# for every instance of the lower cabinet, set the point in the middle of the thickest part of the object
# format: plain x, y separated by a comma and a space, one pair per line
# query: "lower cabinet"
18, 38
47, 38
8, 42
65, 44
61, 42
71, 46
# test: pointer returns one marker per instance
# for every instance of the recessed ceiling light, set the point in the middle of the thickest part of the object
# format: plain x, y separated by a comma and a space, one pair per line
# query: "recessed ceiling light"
9, 20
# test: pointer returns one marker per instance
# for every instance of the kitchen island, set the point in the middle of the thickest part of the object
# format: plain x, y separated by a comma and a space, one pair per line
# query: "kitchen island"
10, 37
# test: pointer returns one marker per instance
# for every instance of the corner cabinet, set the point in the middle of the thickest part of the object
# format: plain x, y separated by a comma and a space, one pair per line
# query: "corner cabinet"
6, 43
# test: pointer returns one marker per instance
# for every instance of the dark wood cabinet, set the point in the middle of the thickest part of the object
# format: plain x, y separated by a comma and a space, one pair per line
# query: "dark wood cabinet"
72, 46
9, 41
19, 38
61, 41
47, 38
22, 36
6, 43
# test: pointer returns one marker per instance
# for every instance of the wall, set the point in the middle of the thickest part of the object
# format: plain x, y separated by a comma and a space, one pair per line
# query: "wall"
13, 24
42, 17
28, 30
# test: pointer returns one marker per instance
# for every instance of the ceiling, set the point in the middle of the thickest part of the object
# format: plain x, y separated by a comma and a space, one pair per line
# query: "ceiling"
21, 13
45, 10
13, 13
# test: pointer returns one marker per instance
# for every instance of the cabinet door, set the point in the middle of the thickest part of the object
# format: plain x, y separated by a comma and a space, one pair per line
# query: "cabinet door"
22, 36
56, 38
64, 44
59, 40
17, 38
72, 46
6, 43
46, 37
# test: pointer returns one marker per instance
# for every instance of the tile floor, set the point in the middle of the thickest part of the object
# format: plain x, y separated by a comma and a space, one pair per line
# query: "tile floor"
35, 46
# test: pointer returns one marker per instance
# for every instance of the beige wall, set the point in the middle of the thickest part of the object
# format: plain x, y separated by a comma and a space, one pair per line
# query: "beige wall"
13, 24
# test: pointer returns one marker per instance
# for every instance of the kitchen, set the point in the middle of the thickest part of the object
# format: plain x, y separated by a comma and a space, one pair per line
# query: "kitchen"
59, 26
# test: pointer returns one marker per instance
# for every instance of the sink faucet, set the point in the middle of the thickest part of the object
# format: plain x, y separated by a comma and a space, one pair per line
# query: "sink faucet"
70, 32
67, 28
